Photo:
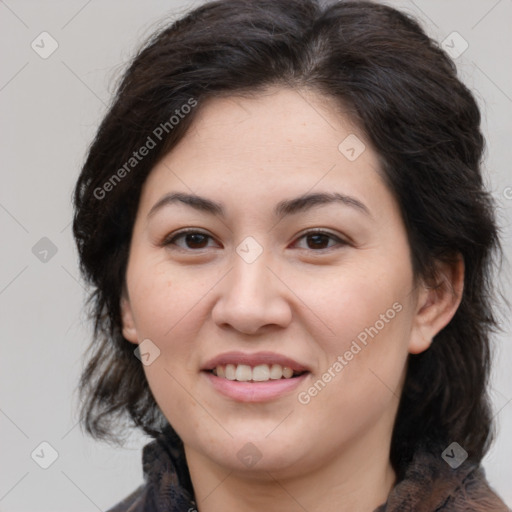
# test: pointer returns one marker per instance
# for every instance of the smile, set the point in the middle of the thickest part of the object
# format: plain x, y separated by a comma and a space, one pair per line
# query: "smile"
259, 373
254, 377
254, 391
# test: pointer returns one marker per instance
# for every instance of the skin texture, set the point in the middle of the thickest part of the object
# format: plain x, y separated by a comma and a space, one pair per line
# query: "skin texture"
308, 303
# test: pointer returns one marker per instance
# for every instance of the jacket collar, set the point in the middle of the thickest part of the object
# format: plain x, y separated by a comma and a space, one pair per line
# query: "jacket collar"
169, 488
428, 484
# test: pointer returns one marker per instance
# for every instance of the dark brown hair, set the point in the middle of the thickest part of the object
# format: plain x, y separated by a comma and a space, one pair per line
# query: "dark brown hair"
403, 92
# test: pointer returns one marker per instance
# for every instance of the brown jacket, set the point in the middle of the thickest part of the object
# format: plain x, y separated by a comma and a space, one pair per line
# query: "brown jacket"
429, 484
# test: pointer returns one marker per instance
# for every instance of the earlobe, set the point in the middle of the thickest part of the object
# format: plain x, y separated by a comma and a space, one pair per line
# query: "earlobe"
437, 304
129, 330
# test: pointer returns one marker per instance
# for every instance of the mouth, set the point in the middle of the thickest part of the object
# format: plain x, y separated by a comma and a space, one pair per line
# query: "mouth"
258, 373
256, 367
258, 377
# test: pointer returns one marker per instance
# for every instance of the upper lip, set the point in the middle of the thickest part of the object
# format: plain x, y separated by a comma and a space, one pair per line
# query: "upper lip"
254, 360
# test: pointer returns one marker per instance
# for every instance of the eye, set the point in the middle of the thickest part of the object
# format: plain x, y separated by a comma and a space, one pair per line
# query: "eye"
316, 240
193, 239
319, 238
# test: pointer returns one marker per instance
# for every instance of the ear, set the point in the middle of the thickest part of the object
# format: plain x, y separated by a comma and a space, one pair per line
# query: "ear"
129, 329
437, 304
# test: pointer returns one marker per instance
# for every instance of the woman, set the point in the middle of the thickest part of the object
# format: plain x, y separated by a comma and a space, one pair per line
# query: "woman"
284, 223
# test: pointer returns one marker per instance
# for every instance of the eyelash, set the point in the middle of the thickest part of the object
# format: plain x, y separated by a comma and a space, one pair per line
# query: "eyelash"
170, 240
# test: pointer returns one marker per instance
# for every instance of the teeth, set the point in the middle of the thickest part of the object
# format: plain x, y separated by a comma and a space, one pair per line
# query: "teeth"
230, 371
287, 372
259, 373
276, 371
243, 373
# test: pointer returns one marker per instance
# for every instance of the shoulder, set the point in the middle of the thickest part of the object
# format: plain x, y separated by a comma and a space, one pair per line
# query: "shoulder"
431, 484
134, 502
475, 494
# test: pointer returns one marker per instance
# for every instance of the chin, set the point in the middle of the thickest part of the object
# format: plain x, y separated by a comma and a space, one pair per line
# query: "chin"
255, 455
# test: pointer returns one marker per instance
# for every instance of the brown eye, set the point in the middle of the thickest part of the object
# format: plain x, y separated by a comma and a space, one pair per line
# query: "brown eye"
192, 240
319, 240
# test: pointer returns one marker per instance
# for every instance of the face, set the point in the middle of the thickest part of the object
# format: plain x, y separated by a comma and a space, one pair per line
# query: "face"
268, 283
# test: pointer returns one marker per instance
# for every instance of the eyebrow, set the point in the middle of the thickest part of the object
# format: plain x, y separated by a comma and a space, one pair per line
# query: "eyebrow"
282, 209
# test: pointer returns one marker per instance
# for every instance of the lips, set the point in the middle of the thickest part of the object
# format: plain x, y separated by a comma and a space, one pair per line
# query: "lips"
257, 377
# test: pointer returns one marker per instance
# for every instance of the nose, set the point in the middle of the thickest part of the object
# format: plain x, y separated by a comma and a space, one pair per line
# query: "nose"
252, 297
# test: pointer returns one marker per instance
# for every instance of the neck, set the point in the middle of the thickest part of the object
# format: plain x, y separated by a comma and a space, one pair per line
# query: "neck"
358, 480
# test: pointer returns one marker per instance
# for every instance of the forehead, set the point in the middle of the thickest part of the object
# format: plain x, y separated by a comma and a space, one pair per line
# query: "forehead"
277, 142
273, 118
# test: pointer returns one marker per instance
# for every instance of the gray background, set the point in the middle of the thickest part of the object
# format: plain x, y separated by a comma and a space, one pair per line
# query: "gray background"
50, 109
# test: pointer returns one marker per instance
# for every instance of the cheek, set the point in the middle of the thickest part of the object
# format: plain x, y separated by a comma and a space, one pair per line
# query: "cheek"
356, 305
169, 386
366, 321
163, 299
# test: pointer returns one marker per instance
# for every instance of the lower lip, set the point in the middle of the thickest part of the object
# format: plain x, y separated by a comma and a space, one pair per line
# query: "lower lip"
254, 391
